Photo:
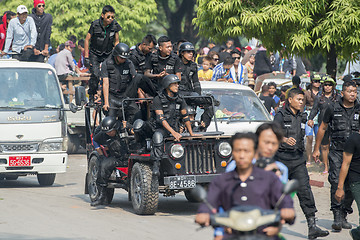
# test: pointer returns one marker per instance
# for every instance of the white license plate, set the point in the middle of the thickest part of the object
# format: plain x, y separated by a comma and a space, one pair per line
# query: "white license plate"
182, 182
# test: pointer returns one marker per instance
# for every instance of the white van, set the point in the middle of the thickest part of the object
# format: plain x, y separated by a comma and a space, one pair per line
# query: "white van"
32, 122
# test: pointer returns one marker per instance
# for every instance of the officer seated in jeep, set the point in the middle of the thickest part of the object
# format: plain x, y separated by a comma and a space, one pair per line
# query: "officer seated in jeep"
109, 143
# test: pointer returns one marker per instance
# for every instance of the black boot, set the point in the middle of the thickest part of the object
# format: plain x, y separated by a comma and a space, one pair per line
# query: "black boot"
337, 224
91, 101
315, 231
100, 200
344, 221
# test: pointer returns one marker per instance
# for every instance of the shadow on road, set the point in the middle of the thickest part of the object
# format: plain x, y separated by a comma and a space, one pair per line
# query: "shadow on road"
25, 183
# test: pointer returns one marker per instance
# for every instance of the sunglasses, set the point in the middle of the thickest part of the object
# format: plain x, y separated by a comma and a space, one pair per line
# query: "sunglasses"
236, 58
112, 17
316, 81
328, 84
216, 59
41, 5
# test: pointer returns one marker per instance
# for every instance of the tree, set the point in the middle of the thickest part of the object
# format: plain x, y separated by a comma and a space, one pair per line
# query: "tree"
74, 17
176, 18
331, 27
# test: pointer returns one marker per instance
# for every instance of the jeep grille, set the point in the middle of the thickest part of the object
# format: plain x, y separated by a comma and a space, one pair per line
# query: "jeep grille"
199, 158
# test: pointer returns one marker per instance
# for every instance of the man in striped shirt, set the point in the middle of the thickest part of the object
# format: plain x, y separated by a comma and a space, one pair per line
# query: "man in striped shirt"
221, 72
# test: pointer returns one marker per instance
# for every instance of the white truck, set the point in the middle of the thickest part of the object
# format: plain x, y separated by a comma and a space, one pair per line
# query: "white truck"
33, 129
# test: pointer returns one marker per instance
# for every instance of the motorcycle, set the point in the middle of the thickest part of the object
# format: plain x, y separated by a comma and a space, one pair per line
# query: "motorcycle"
245, 220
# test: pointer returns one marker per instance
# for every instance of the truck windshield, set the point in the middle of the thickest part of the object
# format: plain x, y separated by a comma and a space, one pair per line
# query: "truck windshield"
25, 87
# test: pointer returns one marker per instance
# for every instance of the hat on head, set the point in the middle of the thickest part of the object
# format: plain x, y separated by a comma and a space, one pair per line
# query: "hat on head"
248, 48
36, 2
69, 43
21, 9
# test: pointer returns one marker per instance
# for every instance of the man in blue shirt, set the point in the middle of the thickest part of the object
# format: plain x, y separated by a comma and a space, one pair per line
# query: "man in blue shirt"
221, 72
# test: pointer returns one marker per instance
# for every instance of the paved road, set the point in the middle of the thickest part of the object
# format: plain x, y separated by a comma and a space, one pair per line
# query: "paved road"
28, 211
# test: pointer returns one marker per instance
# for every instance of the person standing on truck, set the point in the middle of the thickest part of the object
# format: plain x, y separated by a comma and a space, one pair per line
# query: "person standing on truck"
291, 153
139, 55
343, 119
21, 35
120, 81
43, 22
103, 35
162, 63
111, 148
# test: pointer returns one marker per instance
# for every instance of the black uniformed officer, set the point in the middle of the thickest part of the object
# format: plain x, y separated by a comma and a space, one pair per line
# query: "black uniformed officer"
291, 153
119, 81
103, 35
162, 63
190, 85
139, 55
169, 108
343, 119
246, 185
111, 138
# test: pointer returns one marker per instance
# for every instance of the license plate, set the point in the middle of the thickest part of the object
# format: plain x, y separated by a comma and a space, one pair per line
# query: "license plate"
182, 182
18, 161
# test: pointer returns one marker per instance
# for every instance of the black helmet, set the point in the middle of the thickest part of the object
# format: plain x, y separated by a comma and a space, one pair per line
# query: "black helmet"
186, 46
108, 124
169, 79
121, 50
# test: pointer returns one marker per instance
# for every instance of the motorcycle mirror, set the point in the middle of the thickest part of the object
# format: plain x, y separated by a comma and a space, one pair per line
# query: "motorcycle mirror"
198, 193
73, 108
291, 186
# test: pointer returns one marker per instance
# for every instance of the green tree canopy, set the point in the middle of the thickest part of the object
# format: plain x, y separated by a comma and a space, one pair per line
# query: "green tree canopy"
74, 17
331, 27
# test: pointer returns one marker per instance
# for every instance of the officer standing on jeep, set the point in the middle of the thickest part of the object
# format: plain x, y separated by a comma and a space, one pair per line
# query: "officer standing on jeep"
343, 119
291, 153
111, 138
119, 81
103, 35
162, 63
139, 55
169, 108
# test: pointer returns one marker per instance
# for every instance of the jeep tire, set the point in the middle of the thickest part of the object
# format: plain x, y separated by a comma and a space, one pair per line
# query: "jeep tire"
144, 188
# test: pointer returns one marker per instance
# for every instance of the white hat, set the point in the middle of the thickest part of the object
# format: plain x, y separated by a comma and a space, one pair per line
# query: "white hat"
21, 9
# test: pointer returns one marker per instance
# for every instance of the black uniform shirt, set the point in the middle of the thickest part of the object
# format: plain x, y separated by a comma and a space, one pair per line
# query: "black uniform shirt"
135, 56
161, 65
120, 67
352, 146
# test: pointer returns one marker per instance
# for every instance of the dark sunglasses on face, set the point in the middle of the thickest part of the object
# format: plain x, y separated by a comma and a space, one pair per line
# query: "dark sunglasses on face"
327, 84
316, 81
112, 17
236, 58
41, 5
216, 59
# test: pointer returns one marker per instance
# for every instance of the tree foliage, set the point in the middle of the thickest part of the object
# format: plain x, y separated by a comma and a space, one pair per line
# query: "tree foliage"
303, 26
74, 17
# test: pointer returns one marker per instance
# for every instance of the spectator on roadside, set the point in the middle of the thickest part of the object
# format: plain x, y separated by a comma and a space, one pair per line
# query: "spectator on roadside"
223, 54
289, 67
262, 63
205, 74
222, 71
64, 63
230, 44
250, 66
8, 15
272, 92
81, 62
73, 38
238, 72
21, 35
247, 49
267, 100
53, 55
43, 22
202, 53
215, 58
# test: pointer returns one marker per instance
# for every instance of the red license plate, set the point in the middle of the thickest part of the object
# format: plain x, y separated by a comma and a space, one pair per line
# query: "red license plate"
19, 161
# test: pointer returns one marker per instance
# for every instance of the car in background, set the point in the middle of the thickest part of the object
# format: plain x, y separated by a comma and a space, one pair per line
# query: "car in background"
240, 110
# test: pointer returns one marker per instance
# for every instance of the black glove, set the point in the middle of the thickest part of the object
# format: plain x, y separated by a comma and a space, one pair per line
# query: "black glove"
87, 62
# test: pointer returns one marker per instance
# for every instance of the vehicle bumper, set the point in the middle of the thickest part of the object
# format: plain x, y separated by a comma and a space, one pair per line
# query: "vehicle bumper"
204, 178
40, 163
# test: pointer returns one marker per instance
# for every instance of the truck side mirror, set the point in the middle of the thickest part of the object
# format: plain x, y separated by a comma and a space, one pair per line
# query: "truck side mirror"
80, 96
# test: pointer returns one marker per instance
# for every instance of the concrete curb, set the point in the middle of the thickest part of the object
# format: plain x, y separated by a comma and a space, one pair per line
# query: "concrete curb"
318, 180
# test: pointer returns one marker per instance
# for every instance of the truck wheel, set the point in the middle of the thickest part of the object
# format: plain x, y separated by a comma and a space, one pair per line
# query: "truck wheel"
46, 179
73, 143
93, 187
12, 177
144, 189
189, 197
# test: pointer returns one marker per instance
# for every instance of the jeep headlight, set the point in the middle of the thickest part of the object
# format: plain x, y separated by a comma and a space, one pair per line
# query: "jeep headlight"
225, 149
51, 145
177, 150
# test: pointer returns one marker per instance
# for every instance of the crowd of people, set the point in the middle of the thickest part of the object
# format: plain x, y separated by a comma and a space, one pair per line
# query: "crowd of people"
167, 71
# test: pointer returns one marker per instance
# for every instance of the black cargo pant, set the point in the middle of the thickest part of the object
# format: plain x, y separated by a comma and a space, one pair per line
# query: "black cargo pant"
297, 170
106, 165
95, 62
147, 85
335, 162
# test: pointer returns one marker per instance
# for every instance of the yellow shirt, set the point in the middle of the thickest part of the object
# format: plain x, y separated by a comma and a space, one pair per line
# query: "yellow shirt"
206, 76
